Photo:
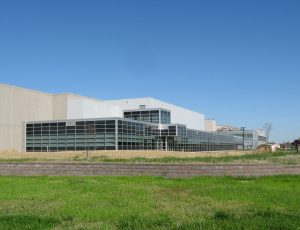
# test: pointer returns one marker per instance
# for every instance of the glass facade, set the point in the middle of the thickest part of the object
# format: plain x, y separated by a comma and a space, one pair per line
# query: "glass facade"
122, 134
165, 117
156, 116
137, 136
194, 140
71, 136
252, 139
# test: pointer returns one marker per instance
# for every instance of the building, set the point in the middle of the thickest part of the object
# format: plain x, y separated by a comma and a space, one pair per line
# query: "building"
252, 138
179, 115
19, 106
121, 134
37, 121
210, 125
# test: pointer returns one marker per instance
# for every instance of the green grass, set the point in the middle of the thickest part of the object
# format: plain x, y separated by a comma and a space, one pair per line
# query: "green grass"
23, 160
149, 203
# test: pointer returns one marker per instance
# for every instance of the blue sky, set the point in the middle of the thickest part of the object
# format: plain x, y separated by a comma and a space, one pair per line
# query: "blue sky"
235, 61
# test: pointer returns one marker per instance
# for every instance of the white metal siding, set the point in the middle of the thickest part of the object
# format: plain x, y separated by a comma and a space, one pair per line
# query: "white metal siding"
191, 119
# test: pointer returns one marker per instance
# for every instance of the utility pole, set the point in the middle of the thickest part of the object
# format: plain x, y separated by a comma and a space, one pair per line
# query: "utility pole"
243, 129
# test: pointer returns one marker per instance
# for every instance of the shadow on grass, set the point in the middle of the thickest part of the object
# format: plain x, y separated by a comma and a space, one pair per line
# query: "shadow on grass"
221, 219
134, 221
27, 222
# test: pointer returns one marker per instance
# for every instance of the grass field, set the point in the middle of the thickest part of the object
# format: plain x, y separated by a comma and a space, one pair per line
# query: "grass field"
282, 157
149, 203
114, 154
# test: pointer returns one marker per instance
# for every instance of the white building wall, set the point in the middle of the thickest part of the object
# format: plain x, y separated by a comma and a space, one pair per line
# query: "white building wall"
179, 115
80, 107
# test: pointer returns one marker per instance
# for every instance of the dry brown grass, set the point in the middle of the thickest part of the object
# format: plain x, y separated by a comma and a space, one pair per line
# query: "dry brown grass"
120, 154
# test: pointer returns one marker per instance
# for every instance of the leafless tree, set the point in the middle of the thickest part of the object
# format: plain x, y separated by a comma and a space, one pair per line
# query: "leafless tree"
268, 128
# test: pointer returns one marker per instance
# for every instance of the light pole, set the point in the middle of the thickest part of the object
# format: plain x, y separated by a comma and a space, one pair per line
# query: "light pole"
243, 129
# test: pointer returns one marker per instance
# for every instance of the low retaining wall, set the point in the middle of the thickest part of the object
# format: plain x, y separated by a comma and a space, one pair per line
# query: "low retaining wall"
165, 170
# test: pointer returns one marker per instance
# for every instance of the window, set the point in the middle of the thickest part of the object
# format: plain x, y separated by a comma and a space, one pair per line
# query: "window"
132, 135
165, 117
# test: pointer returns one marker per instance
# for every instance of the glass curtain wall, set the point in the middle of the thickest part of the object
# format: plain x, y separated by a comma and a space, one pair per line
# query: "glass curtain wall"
60, 136
137, 136
194, 140
157, 116
251, 137
165, 117
151, 116
122, 134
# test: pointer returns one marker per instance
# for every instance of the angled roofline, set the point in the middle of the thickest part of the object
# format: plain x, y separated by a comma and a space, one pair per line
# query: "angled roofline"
152, 98
55, 94
23, 88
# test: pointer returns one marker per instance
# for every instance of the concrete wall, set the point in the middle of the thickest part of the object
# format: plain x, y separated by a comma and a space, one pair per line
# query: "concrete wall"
210, 125
179, 115
165, 170
18, 105
60, 106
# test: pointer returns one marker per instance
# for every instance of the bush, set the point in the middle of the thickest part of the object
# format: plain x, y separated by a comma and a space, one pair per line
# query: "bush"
264, 148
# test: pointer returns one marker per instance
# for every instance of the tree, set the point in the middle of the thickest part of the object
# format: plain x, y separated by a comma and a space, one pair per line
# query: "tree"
296, 144
268, 128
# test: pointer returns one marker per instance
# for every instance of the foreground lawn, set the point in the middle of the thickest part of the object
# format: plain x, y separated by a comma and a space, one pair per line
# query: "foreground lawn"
149, 203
